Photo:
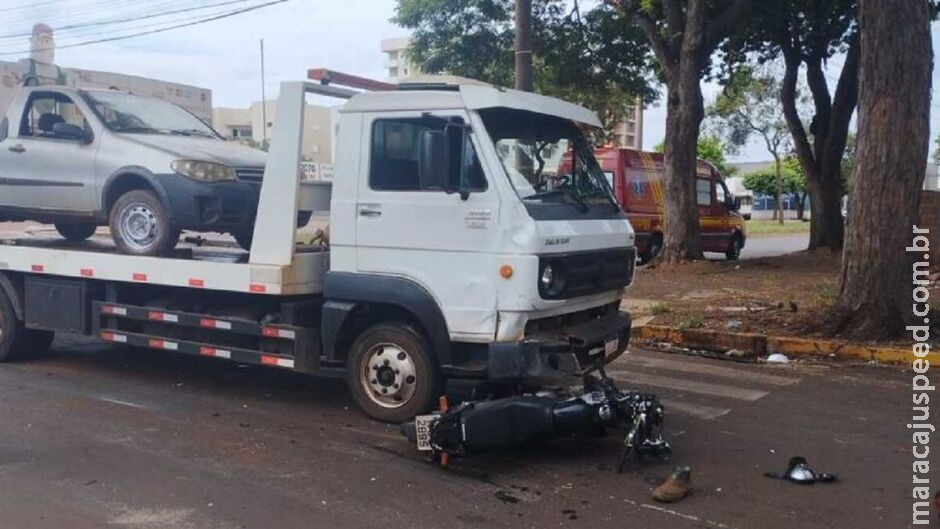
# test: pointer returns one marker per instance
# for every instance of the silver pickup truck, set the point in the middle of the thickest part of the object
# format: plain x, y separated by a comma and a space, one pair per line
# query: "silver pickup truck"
80, 159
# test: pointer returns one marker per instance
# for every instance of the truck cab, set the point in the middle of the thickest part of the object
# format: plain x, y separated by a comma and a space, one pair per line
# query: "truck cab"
637, 179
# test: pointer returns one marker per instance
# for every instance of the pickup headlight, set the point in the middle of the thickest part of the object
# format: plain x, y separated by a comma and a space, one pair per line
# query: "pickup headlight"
204, 171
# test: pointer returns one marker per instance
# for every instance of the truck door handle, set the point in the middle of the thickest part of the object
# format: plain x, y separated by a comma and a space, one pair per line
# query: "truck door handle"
18, 149
370, 213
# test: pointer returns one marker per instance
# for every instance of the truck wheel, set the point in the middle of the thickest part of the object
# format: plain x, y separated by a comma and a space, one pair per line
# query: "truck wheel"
391, 372
76, 231
734, 250
11, 331
140, 225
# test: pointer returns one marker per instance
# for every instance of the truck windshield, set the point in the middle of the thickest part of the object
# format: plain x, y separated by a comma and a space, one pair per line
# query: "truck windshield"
144, 115
548, 159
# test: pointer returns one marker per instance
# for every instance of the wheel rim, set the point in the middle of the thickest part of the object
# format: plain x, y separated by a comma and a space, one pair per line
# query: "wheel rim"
388, 375
139, 226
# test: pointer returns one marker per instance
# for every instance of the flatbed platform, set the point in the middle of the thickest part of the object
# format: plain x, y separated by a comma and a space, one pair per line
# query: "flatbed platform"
198, 262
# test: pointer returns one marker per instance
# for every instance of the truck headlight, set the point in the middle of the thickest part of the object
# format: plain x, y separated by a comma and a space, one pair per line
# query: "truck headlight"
204, 171
551, 281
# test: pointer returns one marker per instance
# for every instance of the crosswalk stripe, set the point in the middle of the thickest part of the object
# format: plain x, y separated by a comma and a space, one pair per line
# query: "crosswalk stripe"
692, 386
702, 369
695, 410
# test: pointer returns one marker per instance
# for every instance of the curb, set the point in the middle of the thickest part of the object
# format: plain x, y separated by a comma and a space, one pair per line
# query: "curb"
762, 345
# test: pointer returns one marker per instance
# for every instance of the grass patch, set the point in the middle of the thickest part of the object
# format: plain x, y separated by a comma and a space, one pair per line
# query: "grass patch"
765, 228
690, 321
660, 308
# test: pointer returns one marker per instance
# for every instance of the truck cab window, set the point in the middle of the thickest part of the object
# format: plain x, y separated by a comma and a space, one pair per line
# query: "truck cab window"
396, 151
721, 193
703, 192
45, 111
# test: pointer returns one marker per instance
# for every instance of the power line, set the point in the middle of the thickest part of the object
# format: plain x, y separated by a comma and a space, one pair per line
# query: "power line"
151, 32
128, 19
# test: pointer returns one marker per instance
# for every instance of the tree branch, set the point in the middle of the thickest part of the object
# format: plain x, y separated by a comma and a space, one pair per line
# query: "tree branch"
665, 53
843, 106
719, 28
804, 151
822, 100
674, 18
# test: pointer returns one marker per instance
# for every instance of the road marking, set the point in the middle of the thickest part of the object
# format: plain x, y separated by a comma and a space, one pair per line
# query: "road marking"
703, 369
691, 386
698, 411
119, 402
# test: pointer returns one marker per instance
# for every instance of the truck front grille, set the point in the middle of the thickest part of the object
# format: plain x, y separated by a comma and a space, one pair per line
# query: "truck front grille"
252, 175
587, 273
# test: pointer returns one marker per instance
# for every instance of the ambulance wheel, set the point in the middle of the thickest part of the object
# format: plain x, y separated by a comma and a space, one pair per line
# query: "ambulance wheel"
391, 372
734, 250
655, 245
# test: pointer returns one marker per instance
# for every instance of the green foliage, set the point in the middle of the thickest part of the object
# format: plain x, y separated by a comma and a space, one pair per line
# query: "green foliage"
764, 181
597, 58
711, 149
659, 308
749, 106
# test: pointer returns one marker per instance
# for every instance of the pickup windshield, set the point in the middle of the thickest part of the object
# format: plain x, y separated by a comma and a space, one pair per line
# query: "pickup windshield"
548, 159
143, 115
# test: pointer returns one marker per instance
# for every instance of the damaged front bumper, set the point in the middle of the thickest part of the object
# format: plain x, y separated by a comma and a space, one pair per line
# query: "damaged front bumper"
559, 351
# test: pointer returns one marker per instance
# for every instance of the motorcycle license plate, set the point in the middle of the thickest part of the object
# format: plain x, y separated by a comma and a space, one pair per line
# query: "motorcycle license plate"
423, 429
611, 345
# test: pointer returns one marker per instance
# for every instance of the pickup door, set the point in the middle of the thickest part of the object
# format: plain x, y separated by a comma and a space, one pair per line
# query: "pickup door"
38, 169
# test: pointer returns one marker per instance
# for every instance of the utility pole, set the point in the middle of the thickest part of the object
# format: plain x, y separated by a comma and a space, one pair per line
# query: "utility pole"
264, 100
524, 45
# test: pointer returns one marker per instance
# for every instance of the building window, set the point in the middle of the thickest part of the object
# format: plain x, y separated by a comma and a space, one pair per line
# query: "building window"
393, 72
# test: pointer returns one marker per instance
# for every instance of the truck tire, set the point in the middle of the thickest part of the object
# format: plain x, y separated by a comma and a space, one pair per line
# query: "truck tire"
140, 225
652, 250
11, 331
391, 372
76, 231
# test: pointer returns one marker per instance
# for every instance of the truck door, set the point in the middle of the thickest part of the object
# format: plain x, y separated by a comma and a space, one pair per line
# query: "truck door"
409, 226
38, 168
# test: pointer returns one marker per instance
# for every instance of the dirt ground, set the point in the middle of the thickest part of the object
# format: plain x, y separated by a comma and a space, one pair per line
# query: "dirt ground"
785, 295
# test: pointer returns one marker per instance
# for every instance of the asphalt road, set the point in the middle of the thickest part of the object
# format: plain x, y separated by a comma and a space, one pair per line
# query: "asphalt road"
92, 437
774, 245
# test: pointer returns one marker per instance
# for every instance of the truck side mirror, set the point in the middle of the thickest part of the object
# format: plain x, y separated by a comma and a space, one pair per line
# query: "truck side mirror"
433, 162
67, 131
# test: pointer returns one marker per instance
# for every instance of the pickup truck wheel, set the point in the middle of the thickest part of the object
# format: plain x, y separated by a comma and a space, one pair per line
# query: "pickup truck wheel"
140, 225
391, 372
244, 238
76, 231
11, 331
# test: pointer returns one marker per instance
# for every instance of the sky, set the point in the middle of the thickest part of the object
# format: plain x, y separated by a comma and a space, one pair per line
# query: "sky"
224, 55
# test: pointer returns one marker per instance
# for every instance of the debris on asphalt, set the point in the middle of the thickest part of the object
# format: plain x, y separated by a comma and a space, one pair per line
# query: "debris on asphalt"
798, 471
778, 358
678, 486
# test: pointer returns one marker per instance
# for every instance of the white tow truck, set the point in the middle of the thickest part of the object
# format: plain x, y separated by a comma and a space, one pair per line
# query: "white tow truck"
456, 261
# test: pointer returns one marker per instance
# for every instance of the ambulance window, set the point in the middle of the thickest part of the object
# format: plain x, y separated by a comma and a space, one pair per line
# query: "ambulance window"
703, 192
610, 178
720, 192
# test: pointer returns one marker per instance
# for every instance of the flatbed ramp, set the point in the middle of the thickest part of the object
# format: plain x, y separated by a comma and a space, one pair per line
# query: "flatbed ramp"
200, 263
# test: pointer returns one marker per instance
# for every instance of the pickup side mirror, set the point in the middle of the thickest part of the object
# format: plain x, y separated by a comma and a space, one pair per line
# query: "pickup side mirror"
67, 131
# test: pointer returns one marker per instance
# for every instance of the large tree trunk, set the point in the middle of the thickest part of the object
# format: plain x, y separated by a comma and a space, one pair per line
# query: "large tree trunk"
684, 114
893, 143
826, 223
779, 189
